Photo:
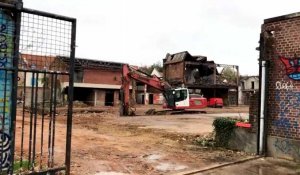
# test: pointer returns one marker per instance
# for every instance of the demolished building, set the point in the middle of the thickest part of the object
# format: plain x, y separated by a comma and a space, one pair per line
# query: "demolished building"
96, 82
200, 75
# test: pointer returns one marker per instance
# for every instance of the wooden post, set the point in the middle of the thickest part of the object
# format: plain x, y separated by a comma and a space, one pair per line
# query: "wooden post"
125, 91
215, 74
145, 95
237, 85
95, 97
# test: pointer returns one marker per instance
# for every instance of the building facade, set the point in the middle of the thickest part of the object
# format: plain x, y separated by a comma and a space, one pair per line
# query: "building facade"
96, 83
200, 75
148, 95
248, 86
279, 49
28, 81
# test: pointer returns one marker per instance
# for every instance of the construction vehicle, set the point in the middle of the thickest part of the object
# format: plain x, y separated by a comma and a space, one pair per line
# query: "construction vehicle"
175, 98
215, 103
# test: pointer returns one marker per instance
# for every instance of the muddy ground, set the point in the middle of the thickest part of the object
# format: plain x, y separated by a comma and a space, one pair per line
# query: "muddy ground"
105, 143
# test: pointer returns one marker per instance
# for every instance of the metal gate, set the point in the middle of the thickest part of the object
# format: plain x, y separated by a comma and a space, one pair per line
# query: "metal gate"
36, 89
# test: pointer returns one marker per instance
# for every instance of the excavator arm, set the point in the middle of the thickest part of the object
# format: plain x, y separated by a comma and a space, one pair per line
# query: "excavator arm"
129, 73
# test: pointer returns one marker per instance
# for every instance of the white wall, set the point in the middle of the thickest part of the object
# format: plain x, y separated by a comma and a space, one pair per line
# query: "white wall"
248, 83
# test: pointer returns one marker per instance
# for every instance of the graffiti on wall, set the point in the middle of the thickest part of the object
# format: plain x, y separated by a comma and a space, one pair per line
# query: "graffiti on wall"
5, 147
286, 146
6, 55
284, 85
292, 67
288, 98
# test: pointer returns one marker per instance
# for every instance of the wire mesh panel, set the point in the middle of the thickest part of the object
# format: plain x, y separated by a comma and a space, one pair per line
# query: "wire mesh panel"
42, 40
37, 139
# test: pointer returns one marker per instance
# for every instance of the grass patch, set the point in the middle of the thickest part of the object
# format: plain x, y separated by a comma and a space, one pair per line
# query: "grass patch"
19, 166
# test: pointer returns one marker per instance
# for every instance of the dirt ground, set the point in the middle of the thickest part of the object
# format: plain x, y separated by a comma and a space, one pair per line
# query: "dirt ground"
105, 143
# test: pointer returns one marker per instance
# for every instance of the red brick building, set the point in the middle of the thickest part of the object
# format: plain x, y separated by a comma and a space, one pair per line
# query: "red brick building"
280, 49
96, 82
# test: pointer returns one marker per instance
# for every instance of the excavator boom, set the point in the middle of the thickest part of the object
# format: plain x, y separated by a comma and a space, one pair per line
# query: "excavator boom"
175, 98
129, 73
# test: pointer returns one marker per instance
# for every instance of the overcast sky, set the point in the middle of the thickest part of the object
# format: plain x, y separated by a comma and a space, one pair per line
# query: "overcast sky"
141, 32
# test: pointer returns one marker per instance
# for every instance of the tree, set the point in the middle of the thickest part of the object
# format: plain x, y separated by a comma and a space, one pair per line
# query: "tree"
229, 74
158, 65
149, 69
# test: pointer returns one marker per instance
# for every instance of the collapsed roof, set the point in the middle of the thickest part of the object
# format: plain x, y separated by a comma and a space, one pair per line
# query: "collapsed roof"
82, 63
185, 69
184, 56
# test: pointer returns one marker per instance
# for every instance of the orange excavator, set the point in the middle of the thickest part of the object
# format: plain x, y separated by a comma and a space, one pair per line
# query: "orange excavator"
175, 98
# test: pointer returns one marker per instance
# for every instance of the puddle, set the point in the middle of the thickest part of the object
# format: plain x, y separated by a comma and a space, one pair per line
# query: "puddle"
153, 157
169, 167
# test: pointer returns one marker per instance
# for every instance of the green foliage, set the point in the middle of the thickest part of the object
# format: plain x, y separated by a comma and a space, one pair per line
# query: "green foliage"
223, 129
229, 74
149, 69
158, 65
45, 81
18, 167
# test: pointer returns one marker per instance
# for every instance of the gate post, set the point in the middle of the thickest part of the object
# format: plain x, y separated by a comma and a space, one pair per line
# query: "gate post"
10, 32
17, 13
70, 98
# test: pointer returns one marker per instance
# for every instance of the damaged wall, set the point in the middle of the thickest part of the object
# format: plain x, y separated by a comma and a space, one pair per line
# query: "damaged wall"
200, 74
102, 76
196, 73
183, 68
174, 73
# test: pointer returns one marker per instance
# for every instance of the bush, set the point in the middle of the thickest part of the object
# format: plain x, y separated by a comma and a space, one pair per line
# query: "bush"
223, 130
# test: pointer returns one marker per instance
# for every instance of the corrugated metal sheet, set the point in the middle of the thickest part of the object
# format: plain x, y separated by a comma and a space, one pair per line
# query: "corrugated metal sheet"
178, 57
183, 56
88, 63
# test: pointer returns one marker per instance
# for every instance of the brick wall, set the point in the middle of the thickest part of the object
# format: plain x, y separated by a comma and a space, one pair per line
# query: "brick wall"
281, 38
232, 100
253, 110
174, 73
102, 76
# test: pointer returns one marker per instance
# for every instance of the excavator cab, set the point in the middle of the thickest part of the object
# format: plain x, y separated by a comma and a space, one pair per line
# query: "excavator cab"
169, 98
177, 98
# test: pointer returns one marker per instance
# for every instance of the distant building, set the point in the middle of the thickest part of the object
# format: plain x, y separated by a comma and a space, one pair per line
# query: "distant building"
248, 85
28, 80
200, 75
96, 82
156, 73
147, 94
